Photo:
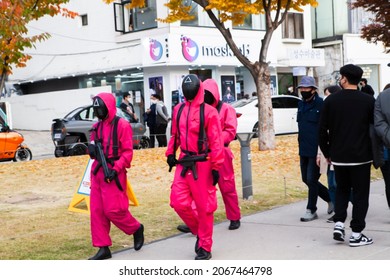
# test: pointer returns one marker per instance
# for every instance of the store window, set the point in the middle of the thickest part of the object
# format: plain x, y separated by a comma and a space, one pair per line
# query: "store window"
247, 24
129, 20
292, 27
84, 20
330, 18
202, 73
252, 22
193, 12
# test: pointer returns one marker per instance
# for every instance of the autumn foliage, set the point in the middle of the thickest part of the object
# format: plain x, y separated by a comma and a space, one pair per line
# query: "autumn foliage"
14, 17
379, 29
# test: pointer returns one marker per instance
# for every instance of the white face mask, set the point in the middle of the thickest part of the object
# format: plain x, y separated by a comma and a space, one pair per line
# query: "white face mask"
153, 101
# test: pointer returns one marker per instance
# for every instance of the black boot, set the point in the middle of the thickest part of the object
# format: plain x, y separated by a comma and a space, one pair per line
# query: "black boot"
234, 224
183, 228
103, 254
139, 238
202, 254
197, 245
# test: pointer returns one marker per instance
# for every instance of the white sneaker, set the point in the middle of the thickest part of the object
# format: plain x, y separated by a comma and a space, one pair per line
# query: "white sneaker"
360, 241
309, 216
339, 232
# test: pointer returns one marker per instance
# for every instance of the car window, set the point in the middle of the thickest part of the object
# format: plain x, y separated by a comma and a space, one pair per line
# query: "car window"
90, 114
290, 102
277, 103
82, 115
241, 102
284, 102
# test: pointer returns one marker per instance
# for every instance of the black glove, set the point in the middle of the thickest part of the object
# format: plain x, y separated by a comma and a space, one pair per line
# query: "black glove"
171, 161
111, 175
215, 176
92, 151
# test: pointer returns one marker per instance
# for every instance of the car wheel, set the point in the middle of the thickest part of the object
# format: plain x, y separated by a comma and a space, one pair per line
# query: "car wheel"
23, 154
256, 130
144, 143
58, 152
78, 149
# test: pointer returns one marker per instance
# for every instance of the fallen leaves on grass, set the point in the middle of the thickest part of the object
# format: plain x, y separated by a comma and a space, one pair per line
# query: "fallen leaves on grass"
35, 195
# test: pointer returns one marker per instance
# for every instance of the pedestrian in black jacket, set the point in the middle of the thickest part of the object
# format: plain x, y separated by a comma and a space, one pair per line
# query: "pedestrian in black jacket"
309, 109
344, 137
364, 87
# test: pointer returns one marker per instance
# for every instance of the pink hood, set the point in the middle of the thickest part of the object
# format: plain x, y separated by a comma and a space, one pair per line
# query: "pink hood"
211, 86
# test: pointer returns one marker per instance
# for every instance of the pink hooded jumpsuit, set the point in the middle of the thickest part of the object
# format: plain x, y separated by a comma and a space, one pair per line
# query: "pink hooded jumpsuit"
186, 189
108, 203
226, 182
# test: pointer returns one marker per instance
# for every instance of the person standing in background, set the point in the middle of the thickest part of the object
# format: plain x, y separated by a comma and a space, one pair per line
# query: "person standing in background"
128, 108
364, 87
150, 118
162, 120
290, 91
325, 167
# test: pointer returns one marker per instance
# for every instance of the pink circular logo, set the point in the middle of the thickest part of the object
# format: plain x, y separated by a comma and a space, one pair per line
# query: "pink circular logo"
155, 49
189, 49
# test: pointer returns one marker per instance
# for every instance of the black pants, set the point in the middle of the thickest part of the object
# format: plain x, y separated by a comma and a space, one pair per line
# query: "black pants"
355, 179
310, 173
386, 176
152, 135
161, 130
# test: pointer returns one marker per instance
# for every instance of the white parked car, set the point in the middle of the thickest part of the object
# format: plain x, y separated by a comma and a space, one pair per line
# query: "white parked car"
285, 109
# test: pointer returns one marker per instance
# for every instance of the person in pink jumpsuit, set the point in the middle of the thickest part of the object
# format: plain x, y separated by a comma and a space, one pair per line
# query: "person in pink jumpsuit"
226, 182
109, 202
196, 185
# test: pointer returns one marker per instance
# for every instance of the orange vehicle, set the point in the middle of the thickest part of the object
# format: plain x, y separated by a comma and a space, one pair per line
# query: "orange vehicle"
11, 145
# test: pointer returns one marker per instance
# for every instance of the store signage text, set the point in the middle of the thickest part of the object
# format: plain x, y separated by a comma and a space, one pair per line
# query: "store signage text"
224, 51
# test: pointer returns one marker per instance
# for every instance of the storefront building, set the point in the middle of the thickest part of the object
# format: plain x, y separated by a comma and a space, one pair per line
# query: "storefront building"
131, 51
336, 30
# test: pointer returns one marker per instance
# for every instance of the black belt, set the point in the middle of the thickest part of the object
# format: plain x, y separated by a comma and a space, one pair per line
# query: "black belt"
189, 153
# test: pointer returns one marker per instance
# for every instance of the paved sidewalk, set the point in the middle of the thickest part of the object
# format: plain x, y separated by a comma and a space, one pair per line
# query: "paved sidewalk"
278, 234
39, 142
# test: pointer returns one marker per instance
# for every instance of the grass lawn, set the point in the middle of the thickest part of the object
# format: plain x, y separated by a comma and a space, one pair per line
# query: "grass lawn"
35, 196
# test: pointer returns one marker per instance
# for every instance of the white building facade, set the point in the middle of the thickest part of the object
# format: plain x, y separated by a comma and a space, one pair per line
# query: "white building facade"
336, 30
109, 47
130, 51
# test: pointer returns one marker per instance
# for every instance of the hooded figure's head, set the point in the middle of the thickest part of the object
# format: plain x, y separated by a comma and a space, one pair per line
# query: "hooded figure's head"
104, 106
211, 92
100, 108
190, 86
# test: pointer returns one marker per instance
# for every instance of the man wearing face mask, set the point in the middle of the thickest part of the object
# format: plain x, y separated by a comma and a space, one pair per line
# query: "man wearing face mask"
309, 109
345, 141
196, 130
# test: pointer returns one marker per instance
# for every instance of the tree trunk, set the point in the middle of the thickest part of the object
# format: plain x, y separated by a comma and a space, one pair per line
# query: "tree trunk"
266, 139
2, 82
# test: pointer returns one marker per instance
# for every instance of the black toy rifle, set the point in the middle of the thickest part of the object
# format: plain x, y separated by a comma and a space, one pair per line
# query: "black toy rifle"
188, 162
103, 163
102, 160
